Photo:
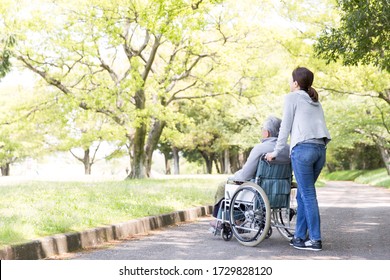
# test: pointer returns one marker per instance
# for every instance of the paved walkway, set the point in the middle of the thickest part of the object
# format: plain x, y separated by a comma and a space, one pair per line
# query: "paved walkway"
355, 226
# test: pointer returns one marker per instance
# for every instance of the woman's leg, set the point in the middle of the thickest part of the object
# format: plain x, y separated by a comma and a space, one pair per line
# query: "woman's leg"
301, 225
306, 162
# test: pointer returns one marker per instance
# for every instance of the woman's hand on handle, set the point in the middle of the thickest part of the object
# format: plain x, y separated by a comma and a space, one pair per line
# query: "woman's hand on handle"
269, 157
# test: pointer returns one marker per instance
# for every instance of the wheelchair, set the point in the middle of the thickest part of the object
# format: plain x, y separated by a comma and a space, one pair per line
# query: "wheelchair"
251, 209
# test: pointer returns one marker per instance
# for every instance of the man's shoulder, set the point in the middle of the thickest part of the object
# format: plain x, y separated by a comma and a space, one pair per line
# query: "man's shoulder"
267, 145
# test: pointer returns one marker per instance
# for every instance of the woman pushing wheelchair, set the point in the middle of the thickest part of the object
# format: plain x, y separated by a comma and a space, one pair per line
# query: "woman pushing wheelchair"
303, 120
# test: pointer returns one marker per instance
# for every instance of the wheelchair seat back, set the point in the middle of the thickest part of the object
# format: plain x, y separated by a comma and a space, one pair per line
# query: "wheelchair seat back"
275, 179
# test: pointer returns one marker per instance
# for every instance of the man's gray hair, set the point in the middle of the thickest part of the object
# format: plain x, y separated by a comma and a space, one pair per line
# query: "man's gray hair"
272, 124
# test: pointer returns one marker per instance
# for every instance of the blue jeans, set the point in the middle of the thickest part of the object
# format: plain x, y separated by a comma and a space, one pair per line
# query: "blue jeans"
307, 161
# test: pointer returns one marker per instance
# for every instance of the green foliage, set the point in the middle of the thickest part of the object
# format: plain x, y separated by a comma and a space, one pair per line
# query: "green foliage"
7, 40
5, 54
19, 136
358, 156
18, 143
129, 60
362, 37
208, 71
354, 111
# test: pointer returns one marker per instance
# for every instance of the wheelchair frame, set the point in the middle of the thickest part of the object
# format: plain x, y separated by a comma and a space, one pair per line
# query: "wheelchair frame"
248, 214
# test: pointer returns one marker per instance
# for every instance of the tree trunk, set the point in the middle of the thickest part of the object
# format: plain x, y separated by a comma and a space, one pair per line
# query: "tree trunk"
129, 146
151, 144
87, 163
176, 158
167, 161
86, 160
234, 162
386, 159
222, 162
385, 153
138, 162
5, 169
226, 158
209, 161
217, 166
209, 166
167, 166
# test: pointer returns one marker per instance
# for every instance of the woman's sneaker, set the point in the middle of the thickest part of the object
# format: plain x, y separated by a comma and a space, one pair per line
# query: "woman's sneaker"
313, 245
306, 245
297, 242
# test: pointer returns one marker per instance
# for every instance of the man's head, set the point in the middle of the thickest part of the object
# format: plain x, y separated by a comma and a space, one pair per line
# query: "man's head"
271, 127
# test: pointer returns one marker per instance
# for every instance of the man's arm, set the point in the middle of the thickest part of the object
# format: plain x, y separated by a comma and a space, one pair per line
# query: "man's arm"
248, 171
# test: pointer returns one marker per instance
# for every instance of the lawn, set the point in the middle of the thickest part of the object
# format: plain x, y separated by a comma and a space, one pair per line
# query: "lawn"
377, 177
36, 209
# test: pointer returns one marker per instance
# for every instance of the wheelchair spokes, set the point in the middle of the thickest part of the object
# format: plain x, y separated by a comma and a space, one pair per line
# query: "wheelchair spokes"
249, 214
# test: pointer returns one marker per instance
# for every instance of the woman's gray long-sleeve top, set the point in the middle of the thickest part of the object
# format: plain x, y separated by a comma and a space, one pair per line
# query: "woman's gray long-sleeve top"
303, 120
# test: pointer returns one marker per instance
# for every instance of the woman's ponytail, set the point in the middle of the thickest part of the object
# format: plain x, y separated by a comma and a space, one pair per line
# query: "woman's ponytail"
313, 94
304, 78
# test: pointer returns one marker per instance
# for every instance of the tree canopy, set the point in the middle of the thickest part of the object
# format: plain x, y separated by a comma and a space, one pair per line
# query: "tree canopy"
194, 76
363, 34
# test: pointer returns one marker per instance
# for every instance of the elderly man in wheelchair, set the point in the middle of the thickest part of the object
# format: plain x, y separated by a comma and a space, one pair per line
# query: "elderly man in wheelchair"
259, 196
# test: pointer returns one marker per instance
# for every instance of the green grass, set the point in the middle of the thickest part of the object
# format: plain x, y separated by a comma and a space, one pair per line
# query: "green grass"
377, 177
36, 209
345, 175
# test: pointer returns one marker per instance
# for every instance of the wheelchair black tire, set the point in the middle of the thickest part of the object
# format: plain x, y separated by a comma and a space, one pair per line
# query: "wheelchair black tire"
250, 219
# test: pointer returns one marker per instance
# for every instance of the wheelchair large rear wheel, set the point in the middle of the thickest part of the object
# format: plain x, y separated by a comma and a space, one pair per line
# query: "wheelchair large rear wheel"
285, 218
250, 214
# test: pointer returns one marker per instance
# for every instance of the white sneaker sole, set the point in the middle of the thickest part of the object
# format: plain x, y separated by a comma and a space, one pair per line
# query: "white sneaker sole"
307, 248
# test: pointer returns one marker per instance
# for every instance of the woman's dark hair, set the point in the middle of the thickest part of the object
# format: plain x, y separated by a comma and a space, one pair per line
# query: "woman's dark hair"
304, 77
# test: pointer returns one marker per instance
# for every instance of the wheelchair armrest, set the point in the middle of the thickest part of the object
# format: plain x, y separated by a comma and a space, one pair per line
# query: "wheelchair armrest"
235, 182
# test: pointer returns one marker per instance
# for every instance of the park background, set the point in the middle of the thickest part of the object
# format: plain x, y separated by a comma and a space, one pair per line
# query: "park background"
171, 96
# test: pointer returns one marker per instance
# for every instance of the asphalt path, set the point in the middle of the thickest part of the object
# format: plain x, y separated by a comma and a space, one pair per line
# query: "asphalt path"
355, 226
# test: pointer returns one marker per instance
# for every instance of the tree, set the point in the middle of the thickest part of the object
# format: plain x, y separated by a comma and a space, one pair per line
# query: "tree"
87, 131
363, 35
129, 60
256, 83
20, 137
361, 40
216, 128
6, 43
152, 68
364, 128
357, 111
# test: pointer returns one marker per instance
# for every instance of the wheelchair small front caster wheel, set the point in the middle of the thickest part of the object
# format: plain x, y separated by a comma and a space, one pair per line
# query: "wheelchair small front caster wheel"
226, 233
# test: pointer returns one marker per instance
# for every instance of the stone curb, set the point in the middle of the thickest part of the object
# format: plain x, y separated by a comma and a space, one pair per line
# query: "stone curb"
69, 242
